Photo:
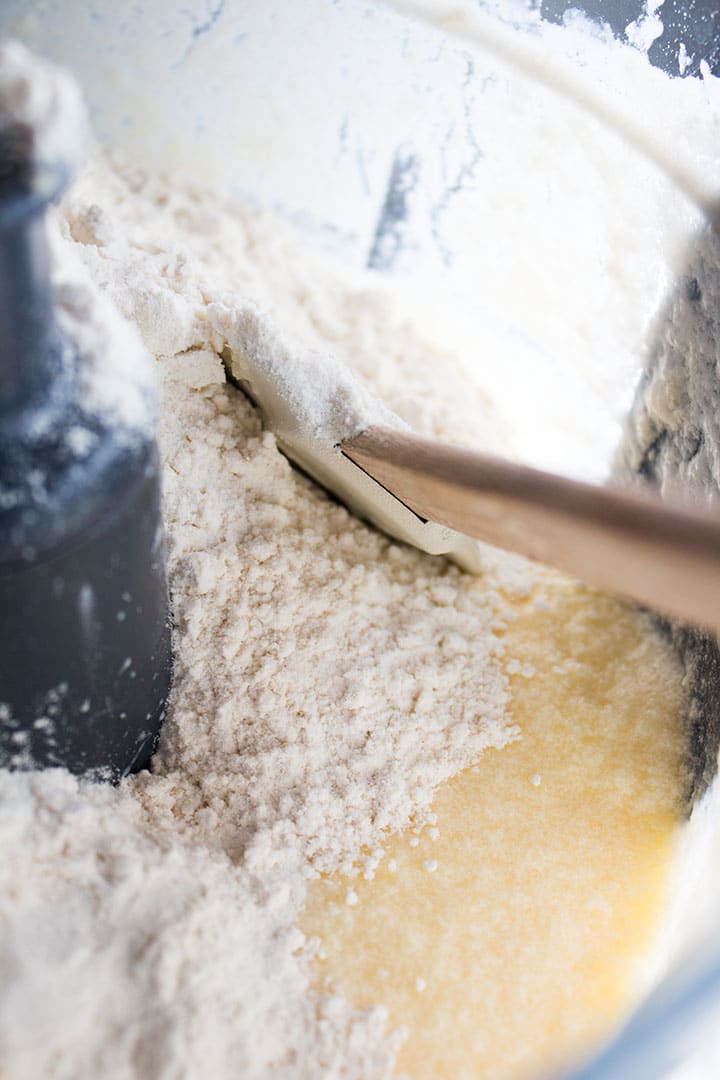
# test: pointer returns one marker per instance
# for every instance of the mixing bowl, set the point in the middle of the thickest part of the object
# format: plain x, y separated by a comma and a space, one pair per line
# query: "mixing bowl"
367, 131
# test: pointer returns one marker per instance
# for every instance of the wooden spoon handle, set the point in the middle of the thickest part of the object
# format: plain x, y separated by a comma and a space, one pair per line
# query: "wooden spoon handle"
659, 554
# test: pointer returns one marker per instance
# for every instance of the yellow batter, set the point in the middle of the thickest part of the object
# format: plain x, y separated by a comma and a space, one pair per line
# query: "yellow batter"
515, 934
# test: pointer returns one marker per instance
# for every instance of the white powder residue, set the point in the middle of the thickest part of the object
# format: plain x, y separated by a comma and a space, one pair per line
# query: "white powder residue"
116, 377
672, 436
42, 116
647, 28
43, 128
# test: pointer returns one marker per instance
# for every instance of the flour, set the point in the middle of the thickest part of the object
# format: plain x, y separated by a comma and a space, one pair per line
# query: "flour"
141, 957
175, 288
313, 637
115, 376
316, 390
327, 680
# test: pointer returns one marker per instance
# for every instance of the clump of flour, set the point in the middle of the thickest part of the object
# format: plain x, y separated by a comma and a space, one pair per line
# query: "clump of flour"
317, 392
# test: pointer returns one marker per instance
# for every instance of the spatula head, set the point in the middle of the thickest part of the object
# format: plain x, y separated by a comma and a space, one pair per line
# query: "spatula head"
325, 462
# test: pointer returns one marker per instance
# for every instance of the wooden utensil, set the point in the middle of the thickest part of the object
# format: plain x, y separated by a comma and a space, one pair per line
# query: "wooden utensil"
666, 556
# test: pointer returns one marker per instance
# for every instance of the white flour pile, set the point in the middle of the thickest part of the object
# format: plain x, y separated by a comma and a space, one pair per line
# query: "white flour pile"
326, 681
